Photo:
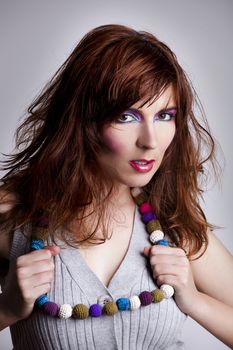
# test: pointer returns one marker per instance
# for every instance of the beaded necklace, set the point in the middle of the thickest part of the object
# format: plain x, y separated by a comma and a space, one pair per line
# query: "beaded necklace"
109, 307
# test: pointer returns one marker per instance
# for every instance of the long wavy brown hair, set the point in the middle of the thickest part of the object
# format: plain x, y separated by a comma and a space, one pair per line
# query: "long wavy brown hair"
55, 166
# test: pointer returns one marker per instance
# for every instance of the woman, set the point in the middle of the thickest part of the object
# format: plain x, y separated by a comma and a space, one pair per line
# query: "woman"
114, 126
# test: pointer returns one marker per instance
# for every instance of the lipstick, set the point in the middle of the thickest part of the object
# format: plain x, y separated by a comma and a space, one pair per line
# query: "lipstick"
142, 165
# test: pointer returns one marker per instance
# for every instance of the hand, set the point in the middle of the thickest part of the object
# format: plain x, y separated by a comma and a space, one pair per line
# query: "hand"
31, 277
171, 266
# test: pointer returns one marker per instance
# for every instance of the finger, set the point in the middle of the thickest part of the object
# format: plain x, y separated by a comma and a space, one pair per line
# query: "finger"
54, 249
167, 279
168, 259
42, 289
30, 258
168, 269
146, 251
159, 249
36, 280
36, 267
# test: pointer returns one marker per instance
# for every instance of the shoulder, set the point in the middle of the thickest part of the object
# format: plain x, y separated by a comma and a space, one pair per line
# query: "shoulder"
7, 201
212, 271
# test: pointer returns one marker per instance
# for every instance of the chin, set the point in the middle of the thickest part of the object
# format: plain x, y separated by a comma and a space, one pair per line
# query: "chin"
138, 182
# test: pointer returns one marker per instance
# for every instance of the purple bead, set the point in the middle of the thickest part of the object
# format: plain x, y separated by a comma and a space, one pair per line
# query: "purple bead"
148, 217
95, 310
145, 298
51, 308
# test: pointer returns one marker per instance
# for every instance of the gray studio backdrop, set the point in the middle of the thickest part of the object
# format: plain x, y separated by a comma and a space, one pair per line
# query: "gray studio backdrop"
37, 36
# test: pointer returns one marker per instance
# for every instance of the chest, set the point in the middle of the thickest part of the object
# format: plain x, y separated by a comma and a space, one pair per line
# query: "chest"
104, 259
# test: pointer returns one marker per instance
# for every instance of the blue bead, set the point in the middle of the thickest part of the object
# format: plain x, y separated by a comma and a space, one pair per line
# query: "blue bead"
123, 304
37, 244
41, 300
163, 242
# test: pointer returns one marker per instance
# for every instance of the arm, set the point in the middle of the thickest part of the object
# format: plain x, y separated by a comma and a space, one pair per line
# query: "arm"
203, 287
213, 276
28, 278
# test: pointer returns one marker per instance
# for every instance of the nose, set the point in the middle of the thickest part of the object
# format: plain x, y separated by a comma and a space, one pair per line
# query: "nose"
147, 136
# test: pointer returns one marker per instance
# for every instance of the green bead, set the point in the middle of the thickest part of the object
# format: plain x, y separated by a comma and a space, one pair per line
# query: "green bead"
110, 308
153, 225
41, 233
157, 295
80, 311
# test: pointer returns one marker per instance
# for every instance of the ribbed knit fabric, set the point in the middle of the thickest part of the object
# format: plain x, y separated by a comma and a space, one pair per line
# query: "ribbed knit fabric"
157, 326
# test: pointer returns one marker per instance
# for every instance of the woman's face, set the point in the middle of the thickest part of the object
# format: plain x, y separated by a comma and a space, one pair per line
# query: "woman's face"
137, 140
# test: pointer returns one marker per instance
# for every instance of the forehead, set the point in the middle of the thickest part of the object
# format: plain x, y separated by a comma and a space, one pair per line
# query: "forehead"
164, 99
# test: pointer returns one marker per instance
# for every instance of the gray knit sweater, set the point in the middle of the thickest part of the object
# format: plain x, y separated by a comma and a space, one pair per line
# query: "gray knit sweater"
157, 326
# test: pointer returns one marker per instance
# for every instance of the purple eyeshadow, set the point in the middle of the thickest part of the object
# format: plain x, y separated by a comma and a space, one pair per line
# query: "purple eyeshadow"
135, 113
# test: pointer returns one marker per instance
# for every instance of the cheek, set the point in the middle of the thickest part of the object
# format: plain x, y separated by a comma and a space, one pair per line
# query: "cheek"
113, 142
167, 137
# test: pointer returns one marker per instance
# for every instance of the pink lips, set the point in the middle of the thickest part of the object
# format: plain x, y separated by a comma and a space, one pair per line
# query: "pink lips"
142, 165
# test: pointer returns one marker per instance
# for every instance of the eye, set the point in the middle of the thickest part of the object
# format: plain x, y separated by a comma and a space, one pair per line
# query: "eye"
166, 115
126, 118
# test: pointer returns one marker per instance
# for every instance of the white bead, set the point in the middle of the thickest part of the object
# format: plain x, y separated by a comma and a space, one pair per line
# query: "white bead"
167, 290
156, 236
104, 299
135, 302
65, 311
136, 191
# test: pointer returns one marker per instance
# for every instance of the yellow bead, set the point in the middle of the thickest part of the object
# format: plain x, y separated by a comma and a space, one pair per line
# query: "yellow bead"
157, 295
153, 225
80, 311
141, 198
110, 308
41, 233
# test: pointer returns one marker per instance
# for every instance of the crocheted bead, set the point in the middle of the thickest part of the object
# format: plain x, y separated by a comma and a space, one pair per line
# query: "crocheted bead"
110, 308
141, 198
157, 295
41, 233
145, 298
148, 217
37, 244
145, 207
41, 300
163, 242
123, 304
104, 299
153, 225
43, 221
80, 311
136, 191
156, 236
135, 302
167, 290
51, 308
65, 311
95, 310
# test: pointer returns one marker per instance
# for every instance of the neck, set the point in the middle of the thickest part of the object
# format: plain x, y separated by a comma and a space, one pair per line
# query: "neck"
121, 196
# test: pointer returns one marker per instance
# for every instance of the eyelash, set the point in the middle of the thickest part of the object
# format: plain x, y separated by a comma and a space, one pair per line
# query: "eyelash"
135, 118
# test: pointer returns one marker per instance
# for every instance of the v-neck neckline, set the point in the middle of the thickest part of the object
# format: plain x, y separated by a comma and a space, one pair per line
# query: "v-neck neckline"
86, 278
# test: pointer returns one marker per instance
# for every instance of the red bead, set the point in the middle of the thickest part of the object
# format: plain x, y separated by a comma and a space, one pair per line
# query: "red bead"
145, 207
43, 221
